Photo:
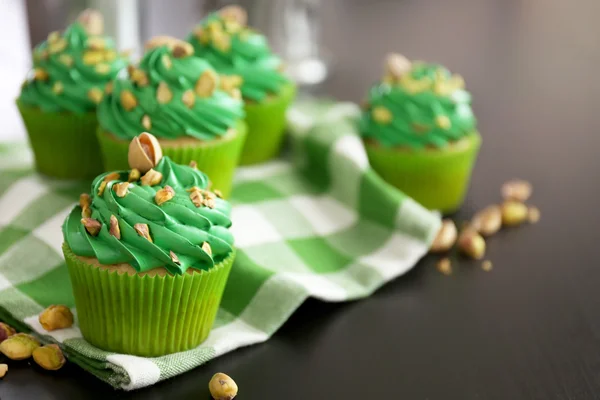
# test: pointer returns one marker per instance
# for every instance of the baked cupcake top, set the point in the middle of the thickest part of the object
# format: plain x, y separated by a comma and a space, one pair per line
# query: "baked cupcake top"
72, 68
224, 40
171, 94
417, 105
158, 214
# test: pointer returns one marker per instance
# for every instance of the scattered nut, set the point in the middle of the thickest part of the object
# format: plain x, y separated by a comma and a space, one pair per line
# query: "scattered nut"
53, 36
174, 258
471, 244
138, 76
206, 84
58, 87
443, 122
207, 249
163, 93
488, 221
40, 74
221, 41
19, 346
57, 46
6, 331
3, 370
445, 238
96, 43
91, 225
101, 188
210, 203
517, 189
121, 189
444, 266
92, 57
234, 13
95, 95
188, 98
513, 213
163, 195
381, 114
146, 122
397, 65
143, 230
92, 21
181, 50
66, 59
49, 357
486, 265
144, 152
134, 175
230, 82
197, 198
84, 200
114, 229
533, 214
151, 178
86, 212
222, 387
56, 317
128, 100
113, 176
102, 68
166, 60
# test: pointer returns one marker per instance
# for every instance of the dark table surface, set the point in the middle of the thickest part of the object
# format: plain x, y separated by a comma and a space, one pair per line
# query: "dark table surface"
530, 328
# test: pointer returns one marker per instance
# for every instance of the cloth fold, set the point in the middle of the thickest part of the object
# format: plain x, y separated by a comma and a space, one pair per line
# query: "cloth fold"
317, 223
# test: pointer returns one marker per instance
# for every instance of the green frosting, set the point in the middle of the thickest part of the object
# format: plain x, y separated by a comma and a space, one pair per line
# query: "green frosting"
426, 107
176, 225
71, 71
207, 118
233, 49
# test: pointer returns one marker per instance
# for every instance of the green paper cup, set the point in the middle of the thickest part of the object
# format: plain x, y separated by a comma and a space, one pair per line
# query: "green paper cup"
438, 179
146, 316
266, 126
64, 144
217, 158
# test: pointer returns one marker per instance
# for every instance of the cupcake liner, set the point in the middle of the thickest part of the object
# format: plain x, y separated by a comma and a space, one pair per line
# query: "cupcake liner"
438, 179
217, 159
266, 127
146, 316
64, 144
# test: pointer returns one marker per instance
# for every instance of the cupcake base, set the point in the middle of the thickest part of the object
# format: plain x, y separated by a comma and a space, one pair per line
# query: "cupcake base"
266, 126
147, 316
64, 144
216, 158
438, 179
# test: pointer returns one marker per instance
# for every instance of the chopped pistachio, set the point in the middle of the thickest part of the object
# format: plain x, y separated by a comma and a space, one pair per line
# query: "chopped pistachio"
143, 230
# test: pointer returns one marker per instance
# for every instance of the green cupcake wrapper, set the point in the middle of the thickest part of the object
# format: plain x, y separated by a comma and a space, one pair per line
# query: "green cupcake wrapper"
64, 144
217, 159
266, 126
147, 316
438, 179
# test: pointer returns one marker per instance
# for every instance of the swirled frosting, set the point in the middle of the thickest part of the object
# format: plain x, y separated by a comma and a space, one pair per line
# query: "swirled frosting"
234, 49
176, 227
71, 71
425, 107
163, 96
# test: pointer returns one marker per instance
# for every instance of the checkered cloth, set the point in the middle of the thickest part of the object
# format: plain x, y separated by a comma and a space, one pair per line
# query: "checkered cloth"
322, 224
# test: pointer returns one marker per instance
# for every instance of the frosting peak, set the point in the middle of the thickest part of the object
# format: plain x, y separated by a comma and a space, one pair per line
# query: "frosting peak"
417, 105
168, 218
224, 40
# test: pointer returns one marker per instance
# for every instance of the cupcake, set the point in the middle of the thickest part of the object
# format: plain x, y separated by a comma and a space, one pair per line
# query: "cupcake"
58, 100
420, 133
148, 253
243, 56
179, 99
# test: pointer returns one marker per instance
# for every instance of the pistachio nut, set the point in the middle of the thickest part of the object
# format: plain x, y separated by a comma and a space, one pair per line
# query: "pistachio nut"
188, 98
6, 331
92, 21
207, 249
488, 221
143, 230
151, 178
163, 93
197, 198
3, 370
397, 65
134, 175
91, 225
222, 387
56, 317
445, 238
174, 258
513, 213
517, 189
144, 152
163, 195
19, 346
444, 266
114, 229
234, 13
49, 357
487, 265
471, 244
206, 84
381, 115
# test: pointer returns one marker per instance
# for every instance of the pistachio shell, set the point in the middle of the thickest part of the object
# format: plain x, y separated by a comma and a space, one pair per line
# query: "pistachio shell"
144, 152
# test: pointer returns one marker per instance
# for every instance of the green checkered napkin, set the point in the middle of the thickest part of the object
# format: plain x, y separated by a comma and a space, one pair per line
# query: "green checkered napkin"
321, 225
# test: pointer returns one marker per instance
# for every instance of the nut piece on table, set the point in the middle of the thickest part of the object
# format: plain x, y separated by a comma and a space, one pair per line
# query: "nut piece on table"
471, 244
144, 152
487, 265
513, 213
49, 357
6, 331
222, 387
533, 214
56, 317
517, 189
3, 370
19, 346
488, 221
446, 237
444, 266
